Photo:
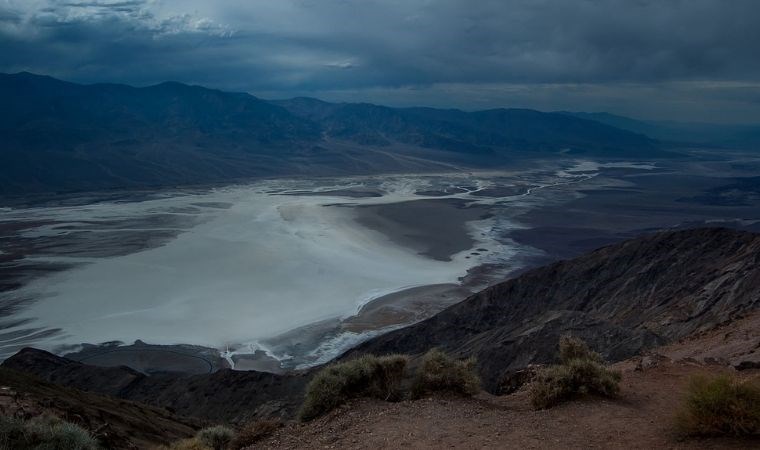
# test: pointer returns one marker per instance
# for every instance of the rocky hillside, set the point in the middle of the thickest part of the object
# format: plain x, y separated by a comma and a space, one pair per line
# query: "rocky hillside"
228, 395
620, 299
652, 392
115, 423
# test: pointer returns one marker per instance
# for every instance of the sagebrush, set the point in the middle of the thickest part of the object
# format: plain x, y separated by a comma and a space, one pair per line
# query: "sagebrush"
217, 438
44, 433
580, 372
721, 405
439, 372
366, 376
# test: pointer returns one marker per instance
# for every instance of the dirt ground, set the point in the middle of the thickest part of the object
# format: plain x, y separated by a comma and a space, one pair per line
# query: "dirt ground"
652, 391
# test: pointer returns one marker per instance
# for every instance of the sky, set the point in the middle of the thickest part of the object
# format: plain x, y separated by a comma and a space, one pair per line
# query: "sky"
688, 60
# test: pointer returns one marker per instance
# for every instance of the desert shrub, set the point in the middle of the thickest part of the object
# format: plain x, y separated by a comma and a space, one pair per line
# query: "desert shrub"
722, 405
185, 444
367, 376
44, 433
254, 432
218, 437
12, 433
571, 348
580, 372
439, 372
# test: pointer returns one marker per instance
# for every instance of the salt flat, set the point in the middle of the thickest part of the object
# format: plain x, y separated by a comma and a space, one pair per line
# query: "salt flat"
236, 267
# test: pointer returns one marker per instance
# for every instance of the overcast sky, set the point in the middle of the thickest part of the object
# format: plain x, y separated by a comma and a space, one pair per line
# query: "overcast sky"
695, 60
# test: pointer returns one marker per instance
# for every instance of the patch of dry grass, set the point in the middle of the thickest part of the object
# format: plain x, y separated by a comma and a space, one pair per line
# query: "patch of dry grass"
719, 406
217, 438
366, 376
441, 373
580, 372
44, 432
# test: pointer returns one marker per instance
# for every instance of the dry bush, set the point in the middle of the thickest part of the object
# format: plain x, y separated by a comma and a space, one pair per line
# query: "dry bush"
44, 432
442, 373
722, 405
580, 372
571, 348
185, 444
254, 432
217, 438
367, 376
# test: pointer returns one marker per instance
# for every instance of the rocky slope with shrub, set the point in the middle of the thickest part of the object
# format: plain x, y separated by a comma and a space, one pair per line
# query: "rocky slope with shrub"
643, 416
620, 299
227, 395
650, 410
114, 423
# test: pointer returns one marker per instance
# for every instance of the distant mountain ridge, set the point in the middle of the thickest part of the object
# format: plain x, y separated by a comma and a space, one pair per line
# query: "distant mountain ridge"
738, 136
61, 136
58, 135
489, 131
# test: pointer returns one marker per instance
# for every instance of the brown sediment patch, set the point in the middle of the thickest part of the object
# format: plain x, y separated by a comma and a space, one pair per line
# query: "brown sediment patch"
405, 307
397, 309
433, 228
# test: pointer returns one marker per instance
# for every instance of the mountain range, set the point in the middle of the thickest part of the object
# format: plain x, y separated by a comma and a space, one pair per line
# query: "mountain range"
60, 136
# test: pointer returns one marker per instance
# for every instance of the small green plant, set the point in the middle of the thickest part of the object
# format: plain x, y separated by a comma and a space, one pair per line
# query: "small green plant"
580, 372
217, 438
722, 405
366, 376
254, 432
44, 433
442, 373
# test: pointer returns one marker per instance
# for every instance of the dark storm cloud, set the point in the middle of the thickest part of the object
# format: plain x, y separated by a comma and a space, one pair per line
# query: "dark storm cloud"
472, 53
118, 5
